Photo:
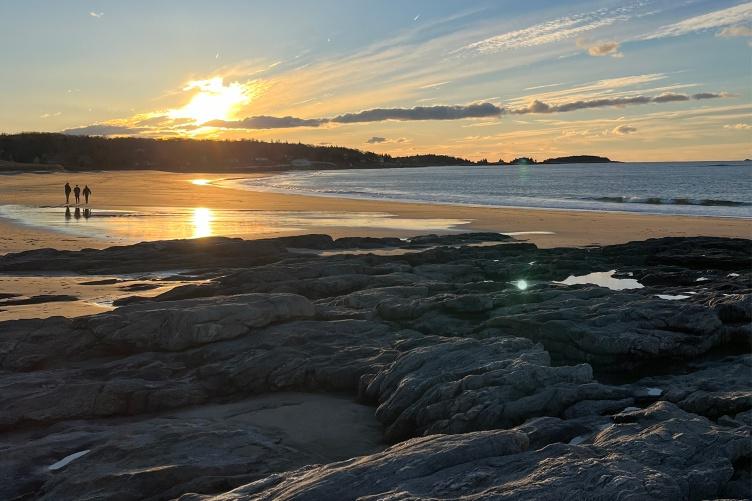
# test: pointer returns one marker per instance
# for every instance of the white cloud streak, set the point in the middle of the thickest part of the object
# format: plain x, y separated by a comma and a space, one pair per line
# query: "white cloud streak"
717, 19
555, 30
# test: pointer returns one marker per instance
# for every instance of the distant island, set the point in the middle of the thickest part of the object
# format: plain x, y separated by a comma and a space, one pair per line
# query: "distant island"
52, 151
579, 159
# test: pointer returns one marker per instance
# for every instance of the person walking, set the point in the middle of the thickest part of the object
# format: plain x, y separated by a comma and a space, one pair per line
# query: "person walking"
86, 193
67, 193
77, 194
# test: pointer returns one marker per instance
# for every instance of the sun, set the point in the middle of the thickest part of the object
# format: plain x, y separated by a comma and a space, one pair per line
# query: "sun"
213, 100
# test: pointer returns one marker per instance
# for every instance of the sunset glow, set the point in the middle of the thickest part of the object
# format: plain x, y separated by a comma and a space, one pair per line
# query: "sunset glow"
641, 81
212, 101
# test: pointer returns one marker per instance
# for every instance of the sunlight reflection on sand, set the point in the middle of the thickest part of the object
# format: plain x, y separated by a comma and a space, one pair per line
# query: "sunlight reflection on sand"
163, 223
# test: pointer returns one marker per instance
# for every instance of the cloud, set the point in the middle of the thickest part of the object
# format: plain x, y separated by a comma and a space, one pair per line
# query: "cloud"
160, 120
670, 97
716, 19
379, 140
374, 115
434, 85
543, 86
537, 106
479, 110
96, 14
710, 95
735, 31
547, 32
104, 130
600, 49
266, 122
623, 130
738, 126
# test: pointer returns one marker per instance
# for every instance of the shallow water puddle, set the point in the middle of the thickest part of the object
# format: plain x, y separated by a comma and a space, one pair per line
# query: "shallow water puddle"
67, 459
602, 279
164, 223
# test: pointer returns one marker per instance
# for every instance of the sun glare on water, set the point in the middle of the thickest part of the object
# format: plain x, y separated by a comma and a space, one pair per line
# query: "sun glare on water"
202, 222
213, 100
200, 182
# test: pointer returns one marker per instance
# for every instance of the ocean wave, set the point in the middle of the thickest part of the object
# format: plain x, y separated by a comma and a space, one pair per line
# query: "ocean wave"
707, 202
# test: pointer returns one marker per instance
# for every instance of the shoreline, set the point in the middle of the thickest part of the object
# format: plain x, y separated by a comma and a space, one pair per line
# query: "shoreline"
128, 190
477, 206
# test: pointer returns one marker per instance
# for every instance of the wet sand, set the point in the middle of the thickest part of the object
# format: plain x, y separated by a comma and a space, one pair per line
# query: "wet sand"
87, 294
139, 189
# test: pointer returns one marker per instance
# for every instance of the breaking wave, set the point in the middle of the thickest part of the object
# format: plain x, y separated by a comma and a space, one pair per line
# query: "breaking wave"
707, 202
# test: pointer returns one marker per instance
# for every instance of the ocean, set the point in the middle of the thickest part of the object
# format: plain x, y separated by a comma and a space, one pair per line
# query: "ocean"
722, 189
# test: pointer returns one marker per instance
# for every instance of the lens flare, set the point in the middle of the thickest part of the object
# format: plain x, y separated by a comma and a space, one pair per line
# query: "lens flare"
521, 284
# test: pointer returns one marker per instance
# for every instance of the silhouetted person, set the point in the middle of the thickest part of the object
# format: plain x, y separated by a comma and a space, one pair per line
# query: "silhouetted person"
87, 213
67, 193
67, 212
77, 194
86, 193
77, 213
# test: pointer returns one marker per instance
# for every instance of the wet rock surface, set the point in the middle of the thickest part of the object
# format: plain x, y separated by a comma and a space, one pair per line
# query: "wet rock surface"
490, 377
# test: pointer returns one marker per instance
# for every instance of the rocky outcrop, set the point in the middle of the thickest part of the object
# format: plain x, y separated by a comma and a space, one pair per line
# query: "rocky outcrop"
658, 453
456, 386
175, 326
720, 389
209, 448
491, 378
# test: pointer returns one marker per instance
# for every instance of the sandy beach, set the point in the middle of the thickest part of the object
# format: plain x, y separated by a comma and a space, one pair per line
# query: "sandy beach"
127, 191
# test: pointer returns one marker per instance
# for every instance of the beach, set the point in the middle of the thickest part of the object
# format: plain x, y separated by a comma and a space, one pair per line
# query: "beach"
279, 214
408, 346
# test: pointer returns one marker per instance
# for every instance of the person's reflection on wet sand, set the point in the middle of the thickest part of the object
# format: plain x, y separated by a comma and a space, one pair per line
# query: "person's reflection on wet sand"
87, 213
77, 213
67, 212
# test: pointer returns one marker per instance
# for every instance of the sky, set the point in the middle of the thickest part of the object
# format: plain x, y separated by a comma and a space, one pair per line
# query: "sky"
643, 80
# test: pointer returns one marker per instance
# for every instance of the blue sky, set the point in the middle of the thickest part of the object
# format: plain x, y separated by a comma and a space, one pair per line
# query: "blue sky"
642, 80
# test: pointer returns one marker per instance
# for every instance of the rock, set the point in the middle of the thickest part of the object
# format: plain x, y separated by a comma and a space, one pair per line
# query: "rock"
465, 385
713, 389
176, 326
664, 454
94, 377
545, 392
613, 329
366, 243
149, 256
42, 298
208, 449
